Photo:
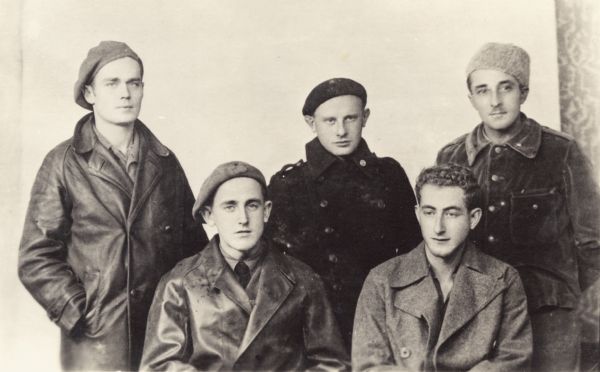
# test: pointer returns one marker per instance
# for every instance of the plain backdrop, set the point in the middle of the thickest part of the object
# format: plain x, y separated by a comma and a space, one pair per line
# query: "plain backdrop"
226, 80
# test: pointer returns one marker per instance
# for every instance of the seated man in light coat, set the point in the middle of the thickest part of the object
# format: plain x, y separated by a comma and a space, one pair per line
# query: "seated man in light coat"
241, 304
445, 305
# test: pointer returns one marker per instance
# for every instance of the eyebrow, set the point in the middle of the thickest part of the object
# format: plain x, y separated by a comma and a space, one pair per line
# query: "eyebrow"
452, 207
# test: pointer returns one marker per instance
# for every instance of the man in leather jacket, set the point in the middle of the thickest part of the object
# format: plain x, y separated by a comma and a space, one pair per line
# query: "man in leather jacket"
110, 212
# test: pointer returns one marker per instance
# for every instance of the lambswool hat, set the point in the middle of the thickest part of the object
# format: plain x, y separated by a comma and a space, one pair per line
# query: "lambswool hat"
98, 56
508, 58
222, 174
330, 89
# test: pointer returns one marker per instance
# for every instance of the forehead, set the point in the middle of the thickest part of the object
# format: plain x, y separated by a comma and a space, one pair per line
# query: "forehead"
490, 77
126, 67
340, 104
442, 197
238, 189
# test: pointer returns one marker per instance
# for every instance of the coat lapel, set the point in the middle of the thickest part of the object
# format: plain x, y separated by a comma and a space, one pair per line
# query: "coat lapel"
416, 291
275, 284
102, 165
148, 175
221, 276
474, 287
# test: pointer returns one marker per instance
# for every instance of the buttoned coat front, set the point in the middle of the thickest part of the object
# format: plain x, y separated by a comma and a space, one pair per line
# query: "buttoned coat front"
202, 319
485, 327
95, 244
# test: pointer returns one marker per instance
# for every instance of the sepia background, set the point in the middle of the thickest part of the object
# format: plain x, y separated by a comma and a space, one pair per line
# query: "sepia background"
226, 80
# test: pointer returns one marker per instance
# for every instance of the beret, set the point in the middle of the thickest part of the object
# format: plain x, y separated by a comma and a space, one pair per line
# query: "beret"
222, 174
508, 58
98, 56
330, 89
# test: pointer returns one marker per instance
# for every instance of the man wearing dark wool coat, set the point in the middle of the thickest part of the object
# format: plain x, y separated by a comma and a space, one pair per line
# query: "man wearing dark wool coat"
110, 212
343, 210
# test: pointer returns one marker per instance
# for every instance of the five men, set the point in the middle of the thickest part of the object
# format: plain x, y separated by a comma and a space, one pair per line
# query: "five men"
344, 210
241, 304
110, 212
540, 201
444, 306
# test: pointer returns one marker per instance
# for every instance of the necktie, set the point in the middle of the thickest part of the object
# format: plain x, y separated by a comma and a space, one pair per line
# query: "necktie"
242, 272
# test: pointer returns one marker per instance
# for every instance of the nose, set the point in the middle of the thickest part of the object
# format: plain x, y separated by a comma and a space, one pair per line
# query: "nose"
439, 226
242, 216
124, 90
340, 129
494, 99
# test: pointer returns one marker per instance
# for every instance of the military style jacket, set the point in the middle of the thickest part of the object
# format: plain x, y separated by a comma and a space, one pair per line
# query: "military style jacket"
95, 244
203, 319
542, 209
343, 216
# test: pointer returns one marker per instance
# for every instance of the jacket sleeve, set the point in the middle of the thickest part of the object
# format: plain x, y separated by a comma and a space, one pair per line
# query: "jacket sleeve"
322, 339
279, 226
371, 349
168, 344
43, 268
583, 202
408, 224
514, 344
194, 236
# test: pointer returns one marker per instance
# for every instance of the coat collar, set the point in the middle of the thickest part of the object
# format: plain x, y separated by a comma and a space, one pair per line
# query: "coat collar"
84, 138
319, 159
274, 285
526, 142
475, 285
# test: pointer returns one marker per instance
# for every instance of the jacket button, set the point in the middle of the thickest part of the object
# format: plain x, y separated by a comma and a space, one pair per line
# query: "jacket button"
498, 149
495, 177
333, 258
380, 204
492, 239
328, 230
502, 203
167, 228
491, 208
535, 206
362, 162
337, 287
134, 293
323, 203
404, 352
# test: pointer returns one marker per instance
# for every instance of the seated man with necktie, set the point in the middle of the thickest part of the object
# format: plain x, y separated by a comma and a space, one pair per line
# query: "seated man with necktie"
241, 304
444, 306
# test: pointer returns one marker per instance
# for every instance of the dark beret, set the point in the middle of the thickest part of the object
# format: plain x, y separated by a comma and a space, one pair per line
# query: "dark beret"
98, 56
222, 174
330, 89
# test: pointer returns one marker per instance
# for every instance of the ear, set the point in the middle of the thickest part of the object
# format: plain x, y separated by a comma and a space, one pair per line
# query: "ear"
89, 95
366, 114
268, 207
475, 216
206, 213
524, 94
310, 120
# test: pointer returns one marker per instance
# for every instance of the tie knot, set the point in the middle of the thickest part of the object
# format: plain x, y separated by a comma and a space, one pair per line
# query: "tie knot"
242, 272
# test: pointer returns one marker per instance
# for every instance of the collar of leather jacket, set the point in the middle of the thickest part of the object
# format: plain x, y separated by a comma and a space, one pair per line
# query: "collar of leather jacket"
84, 137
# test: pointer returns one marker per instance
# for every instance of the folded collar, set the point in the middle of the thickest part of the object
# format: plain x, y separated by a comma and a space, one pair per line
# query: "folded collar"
526, 142
319, 159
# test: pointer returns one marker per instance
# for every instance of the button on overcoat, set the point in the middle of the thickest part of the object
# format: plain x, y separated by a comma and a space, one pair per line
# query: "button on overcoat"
95, 244
343, 216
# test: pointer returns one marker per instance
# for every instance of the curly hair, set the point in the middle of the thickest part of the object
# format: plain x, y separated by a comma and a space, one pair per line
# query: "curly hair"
451, 175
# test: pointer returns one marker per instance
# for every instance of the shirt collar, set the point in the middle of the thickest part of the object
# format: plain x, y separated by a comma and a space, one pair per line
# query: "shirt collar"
526, 142
319, 159
251, 261
132, 148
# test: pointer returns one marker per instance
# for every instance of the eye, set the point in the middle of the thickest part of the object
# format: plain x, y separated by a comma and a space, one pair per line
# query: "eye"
253, 206
452, 214
111, 84
481, 91
428, 212
507, 88
136, 84
330, 121
351, 119
229, 208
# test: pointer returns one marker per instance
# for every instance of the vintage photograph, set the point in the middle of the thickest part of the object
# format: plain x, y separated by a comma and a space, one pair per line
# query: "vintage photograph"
283, 185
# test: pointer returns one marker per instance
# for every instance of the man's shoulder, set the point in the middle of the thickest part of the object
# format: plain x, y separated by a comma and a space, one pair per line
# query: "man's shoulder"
184, 268
289, 173
493, 266
562, 137
454, 144
301, 271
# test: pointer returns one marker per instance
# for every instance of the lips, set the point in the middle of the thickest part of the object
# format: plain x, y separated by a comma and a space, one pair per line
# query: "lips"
342, 143
243, 232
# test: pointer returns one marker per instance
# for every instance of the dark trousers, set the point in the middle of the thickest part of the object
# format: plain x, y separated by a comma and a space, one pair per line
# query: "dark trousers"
556, 340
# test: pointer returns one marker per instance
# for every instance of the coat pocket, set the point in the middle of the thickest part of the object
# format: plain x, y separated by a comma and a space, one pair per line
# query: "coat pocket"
534, 216
91, 283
